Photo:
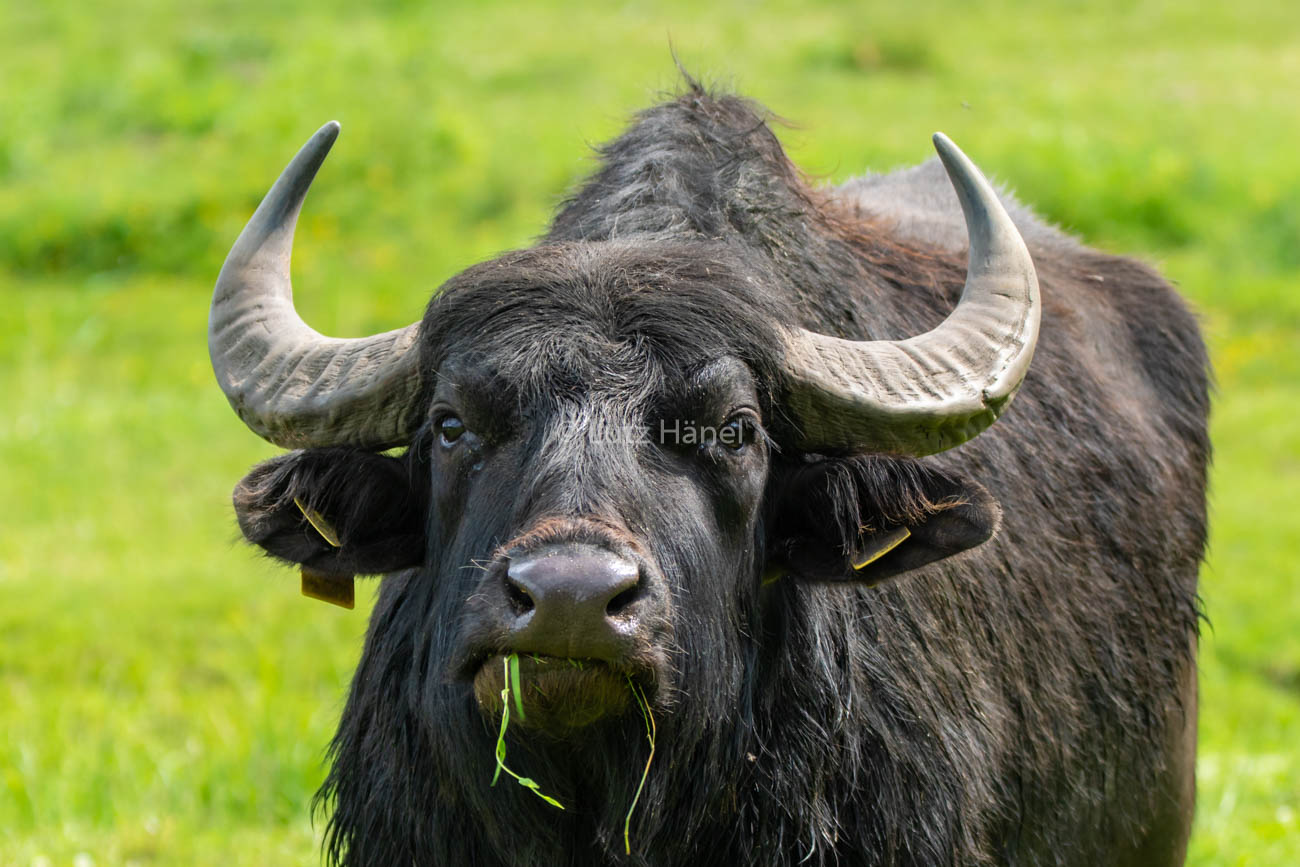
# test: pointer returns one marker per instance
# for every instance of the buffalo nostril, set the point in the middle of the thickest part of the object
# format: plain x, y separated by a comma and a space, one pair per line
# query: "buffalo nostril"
519, 598
623, 600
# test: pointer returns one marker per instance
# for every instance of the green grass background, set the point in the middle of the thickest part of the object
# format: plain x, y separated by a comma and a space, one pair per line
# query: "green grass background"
165, 695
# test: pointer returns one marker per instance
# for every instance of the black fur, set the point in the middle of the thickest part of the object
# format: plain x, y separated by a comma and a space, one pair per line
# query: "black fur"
1031, 701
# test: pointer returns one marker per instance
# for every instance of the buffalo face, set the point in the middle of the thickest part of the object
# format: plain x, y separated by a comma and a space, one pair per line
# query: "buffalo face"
598, 488
586, 491
588, 523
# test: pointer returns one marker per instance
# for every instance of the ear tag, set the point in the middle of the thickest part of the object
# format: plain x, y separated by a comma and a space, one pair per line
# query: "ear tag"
882, 546
337, 590
318, 522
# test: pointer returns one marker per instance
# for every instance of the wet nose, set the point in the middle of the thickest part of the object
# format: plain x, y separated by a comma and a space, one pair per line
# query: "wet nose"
573, 601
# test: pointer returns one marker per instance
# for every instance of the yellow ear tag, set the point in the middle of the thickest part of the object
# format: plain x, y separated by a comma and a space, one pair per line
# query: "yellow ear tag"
318, 522
882, 546
337, 590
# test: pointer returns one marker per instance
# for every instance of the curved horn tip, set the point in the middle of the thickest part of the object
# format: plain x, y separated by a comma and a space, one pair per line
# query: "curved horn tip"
952, 155
319, 145
323, 139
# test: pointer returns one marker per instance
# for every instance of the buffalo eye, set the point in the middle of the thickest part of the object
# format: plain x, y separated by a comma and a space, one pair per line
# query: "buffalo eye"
450, 429
738, 432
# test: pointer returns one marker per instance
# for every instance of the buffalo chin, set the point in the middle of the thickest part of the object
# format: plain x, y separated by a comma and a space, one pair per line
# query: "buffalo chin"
559, 696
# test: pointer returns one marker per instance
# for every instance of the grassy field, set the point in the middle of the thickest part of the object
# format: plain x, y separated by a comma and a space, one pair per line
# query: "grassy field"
165, 695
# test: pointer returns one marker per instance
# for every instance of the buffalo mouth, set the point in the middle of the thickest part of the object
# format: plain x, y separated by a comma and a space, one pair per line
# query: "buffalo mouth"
558, 695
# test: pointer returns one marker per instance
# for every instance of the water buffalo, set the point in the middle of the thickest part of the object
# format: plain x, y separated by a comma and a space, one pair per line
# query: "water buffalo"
715, 462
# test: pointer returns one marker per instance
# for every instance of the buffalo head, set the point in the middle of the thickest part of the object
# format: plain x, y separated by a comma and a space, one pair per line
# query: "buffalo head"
614, 448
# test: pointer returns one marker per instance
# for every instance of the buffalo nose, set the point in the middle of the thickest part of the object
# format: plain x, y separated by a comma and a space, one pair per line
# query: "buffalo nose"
572, 601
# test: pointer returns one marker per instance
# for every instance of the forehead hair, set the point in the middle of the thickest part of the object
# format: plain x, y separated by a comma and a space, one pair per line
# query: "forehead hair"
605, 316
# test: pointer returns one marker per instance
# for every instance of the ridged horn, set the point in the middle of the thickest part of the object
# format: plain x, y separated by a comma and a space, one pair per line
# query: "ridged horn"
288, 383
939, 389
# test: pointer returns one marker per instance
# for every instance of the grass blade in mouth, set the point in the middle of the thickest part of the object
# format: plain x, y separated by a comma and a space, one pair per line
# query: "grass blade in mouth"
510, 675
650, 731
513, 666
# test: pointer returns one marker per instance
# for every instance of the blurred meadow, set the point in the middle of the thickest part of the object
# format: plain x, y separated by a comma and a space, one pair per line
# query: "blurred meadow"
166, 695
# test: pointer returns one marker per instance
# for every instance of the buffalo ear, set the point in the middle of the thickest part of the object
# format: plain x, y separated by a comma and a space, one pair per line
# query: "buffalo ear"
336, 511
867, 519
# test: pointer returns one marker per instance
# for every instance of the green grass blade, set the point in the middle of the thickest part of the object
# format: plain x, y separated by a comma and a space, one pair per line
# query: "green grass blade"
514, 684
510, 674
650, 732
501, 734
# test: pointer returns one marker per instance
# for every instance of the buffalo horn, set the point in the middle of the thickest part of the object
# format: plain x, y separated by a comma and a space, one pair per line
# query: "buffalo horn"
938, 389
288, 383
